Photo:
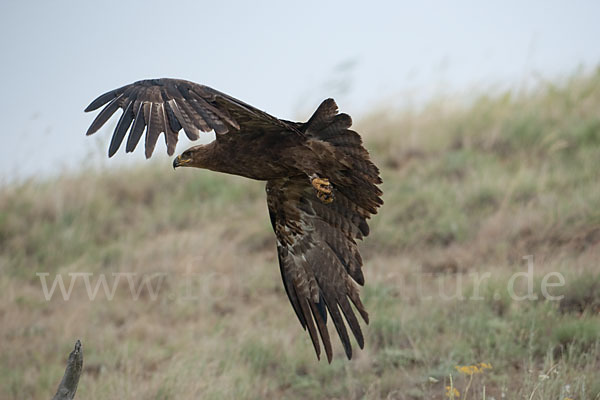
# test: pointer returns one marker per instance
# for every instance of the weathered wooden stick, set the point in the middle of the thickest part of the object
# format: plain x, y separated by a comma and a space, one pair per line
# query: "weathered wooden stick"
68, 385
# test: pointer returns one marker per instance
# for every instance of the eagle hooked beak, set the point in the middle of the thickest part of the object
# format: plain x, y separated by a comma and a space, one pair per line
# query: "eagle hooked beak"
176, 162
181, 162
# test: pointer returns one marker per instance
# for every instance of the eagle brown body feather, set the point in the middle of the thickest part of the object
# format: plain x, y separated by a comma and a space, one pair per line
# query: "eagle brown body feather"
316, 241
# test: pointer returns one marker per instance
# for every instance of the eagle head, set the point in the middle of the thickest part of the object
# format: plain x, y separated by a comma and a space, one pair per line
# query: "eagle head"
197, 156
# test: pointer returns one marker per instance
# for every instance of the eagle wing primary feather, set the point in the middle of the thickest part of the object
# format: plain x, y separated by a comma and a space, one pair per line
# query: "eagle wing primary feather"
170, 105
319, 260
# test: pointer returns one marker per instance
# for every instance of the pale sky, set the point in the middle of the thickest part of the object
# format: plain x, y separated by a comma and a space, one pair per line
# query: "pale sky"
282, 57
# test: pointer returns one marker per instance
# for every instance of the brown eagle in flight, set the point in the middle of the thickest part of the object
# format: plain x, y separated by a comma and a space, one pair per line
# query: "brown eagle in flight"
321, 185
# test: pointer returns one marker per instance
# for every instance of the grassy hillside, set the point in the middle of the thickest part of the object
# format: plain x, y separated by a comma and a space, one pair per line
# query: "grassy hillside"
470, 190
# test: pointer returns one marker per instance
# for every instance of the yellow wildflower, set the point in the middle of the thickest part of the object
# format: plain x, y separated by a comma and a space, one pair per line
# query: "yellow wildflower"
473, 369
452, 392
485, 366
468, 369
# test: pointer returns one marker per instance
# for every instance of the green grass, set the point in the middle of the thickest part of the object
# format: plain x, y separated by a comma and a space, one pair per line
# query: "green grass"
470, 187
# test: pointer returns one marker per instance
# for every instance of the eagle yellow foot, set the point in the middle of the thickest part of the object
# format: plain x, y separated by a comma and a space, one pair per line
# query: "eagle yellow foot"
324, 189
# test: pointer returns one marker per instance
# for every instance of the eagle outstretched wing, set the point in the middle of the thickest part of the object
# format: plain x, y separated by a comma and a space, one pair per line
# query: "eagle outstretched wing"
319, 259
169, 105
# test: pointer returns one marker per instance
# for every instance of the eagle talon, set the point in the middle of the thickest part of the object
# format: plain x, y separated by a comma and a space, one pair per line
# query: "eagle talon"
326, 198
324, 189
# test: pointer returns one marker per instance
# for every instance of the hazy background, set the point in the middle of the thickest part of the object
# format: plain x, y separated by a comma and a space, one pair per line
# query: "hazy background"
283, 57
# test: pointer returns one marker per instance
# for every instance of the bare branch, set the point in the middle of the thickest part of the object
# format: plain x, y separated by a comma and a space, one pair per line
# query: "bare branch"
68, 385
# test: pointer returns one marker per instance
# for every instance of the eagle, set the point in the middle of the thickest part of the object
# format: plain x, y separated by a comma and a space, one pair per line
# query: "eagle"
321, 185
